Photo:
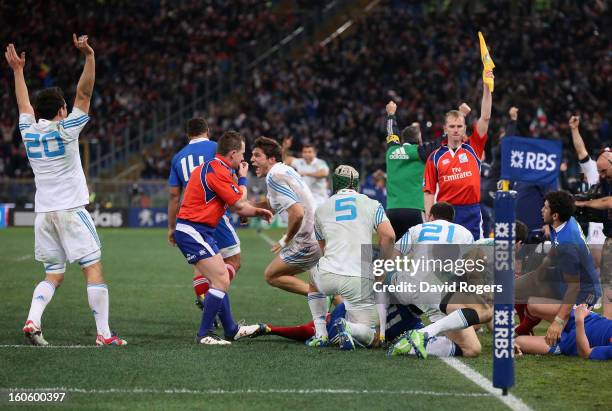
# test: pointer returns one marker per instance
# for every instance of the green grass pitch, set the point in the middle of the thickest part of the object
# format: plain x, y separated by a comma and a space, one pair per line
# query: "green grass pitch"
162, 368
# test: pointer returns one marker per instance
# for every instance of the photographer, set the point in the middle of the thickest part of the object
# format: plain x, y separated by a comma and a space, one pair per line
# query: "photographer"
604, 168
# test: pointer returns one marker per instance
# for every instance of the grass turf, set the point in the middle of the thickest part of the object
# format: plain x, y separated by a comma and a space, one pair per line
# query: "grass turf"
151, 306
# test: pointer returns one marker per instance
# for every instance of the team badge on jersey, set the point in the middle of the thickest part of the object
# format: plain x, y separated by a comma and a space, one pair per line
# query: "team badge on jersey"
463, 158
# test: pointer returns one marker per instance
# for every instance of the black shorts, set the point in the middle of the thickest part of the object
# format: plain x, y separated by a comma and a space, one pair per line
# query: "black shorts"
403, 218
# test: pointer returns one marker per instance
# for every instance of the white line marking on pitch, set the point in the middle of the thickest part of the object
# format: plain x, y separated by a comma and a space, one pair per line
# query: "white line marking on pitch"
266, 238
253, 391
510, 400
49, 346
24, 257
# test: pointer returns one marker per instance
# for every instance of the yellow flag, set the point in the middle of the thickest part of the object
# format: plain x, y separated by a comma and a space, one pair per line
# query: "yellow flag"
487, 63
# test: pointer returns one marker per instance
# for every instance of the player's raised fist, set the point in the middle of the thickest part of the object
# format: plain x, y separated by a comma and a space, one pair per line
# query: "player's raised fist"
287, 142
81, 44
464, 109
13, 59
391, 108
243, 169
513, 113
574, 122
580, 312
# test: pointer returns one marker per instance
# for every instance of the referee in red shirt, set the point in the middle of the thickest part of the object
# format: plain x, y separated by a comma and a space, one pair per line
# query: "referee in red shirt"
452, 172
210, 190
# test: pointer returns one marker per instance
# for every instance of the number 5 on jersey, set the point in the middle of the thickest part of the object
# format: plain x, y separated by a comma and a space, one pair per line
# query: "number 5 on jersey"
346, 209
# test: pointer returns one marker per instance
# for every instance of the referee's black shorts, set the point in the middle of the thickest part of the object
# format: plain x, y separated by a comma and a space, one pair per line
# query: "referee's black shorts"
403, 218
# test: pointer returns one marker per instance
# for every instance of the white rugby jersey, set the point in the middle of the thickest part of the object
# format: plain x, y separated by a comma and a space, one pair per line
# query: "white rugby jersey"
434, 232
346, 221
53, 150
318, 186
285, 188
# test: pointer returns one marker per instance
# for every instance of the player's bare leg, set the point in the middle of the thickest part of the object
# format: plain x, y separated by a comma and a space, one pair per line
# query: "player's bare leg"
532, 344
97, 295
467, 340
282, 275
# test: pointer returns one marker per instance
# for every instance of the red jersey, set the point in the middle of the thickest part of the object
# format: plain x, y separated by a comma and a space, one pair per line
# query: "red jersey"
456, 174
210, 190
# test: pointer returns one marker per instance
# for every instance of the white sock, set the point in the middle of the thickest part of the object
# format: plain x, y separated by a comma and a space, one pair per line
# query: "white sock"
440, 347
453, 321
318, 308
362, 333
43, 293
97, 295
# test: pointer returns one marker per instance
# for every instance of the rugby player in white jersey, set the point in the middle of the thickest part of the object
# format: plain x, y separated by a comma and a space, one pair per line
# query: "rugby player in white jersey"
63, 229
313, 170
298, 251
453, 314
344, 225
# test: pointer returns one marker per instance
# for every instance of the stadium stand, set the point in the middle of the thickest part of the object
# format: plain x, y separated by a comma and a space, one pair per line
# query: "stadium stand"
148, 53
553, 58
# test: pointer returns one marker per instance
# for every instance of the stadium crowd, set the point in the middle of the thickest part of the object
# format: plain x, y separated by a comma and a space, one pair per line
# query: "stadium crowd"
148, 53
552, 60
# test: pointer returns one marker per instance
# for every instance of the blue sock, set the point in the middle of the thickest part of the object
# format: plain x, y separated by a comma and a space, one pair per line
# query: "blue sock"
230, 328
212, 306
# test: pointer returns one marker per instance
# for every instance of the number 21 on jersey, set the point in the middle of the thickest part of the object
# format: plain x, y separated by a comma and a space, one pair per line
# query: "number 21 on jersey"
433, 232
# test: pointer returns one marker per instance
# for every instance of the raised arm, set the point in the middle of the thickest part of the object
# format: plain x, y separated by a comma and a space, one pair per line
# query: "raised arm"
285, 146
391, 124
485, 108
581, 151
85, 86
17, 62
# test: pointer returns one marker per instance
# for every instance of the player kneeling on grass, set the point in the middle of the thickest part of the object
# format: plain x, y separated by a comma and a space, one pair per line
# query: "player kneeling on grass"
210, 190
454, 313
63, 230
586, 334
344, 223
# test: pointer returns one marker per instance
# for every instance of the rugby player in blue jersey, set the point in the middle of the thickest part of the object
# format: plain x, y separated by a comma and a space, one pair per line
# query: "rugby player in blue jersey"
586, 334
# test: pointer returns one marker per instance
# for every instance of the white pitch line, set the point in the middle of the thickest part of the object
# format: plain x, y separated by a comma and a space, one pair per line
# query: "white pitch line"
267, 239
174, 391
24, 257
49, 346
510, 400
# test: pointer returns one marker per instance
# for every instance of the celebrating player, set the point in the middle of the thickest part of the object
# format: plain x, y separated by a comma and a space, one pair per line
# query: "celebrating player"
211, 190
200, 150
63, 229
344, 224
586, 334
453, 170
298, 250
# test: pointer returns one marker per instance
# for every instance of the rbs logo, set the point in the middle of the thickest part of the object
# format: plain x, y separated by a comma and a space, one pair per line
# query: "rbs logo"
533, 161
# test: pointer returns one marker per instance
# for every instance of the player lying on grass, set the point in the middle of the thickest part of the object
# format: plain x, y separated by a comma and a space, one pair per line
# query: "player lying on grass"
344, 225
63, 230
574, 279
586, 334
210, 190
299, 251
400, 319
451, 313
